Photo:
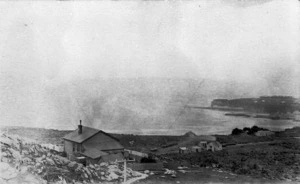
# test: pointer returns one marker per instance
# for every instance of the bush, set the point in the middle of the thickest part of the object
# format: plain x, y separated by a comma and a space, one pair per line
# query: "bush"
246, 129
255, 129
148, 160
236, 131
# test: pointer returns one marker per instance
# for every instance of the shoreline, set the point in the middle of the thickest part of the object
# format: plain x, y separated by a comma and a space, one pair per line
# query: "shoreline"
9, 128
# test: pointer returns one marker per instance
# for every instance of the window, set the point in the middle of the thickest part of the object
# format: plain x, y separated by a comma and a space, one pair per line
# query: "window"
78, 148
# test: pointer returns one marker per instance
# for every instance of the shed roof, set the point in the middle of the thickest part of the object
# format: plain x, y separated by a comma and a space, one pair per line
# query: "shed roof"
183, 148
106, 145
112, 157
87, 132
93, 153
196, 147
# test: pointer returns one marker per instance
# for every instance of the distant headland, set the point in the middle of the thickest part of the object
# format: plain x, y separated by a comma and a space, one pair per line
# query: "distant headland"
263, 104
270, 107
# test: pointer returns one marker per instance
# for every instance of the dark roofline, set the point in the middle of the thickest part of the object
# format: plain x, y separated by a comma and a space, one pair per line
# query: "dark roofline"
81, 141
104, 134
110, 136
107, 134
86, 138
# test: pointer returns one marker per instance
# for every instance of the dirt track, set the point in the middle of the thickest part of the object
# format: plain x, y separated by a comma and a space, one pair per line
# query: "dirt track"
203, 175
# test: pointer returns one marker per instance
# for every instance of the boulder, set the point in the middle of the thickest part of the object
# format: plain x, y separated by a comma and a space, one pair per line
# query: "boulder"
4, 154
15, 154
79, 168
39, 160
24, 152
31, 150
36, 153
103, 164
85, 175
50, 161
72, 165
26, 160
95, 174
6, 160
38, 164
62, 160
113, 176
7, 172
88, 171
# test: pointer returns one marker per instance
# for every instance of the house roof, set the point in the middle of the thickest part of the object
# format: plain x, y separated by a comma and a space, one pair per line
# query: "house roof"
206, 138
106, 145
93, 152
87, 132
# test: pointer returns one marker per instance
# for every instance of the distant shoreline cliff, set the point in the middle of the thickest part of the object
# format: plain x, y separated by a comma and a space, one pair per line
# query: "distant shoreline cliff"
263, 104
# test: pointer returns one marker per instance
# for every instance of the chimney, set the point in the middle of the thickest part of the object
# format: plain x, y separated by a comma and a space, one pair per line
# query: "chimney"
80, 128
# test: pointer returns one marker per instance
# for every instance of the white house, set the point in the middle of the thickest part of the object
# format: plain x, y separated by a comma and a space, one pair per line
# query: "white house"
196, 149
183, 150
214, 146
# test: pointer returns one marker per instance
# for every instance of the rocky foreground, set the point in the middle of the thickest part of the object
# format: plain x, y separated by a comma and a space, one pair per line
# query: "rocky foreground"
24, 161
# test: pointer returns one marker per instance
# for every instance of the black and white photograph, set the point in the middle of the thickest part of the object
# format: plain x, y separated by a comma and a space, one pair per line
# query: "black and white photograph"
149, 91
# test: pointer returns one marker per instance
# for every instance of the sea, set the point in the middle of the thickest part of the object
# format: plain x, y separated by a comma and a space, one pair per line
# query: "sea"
208, 122
199, 121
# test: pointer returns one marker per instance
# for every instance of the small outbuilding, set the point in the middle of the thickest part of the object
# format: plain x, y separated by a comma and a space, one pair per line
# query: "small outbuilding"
203, 145
296, 116
196, 149
136, 155
183, 150
214, 146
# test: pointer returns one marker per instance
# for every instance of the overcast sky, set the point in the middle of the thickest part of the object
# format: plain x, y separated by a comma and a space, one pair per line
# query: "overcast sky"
49, 43
218, 40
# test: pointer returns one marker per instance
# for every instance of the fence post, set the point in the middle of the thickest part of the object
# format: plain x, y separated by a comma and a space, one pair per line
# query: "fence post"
125, 174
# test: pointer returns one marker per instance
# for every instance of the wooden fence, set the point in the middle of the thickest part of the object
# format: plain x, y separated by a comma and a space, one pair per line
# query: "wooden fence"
146, 166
